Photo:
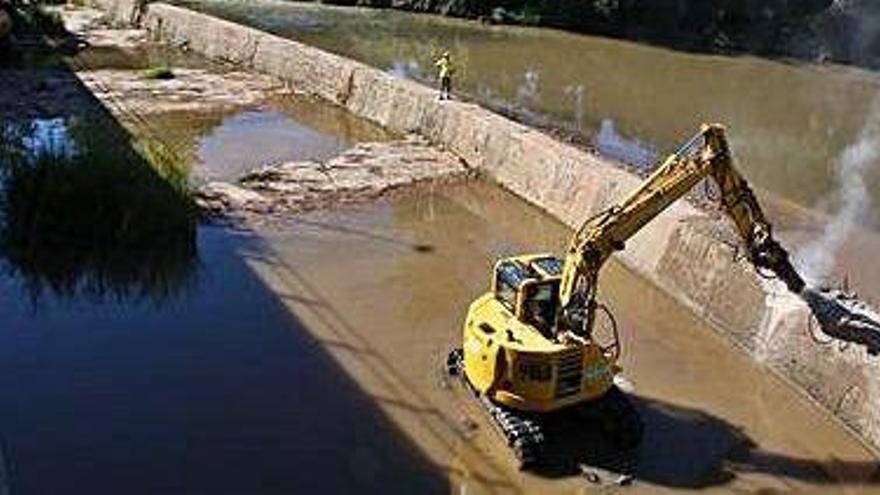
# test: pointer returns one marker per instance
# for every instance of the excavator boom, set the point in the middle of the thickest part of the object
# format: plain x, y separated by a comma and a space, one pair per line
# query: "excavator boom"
705, 156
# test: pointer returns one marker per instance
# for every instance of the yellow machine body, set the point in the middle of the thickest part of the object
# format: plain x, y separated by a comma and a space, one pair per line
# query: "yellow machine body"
529, 344
508, 353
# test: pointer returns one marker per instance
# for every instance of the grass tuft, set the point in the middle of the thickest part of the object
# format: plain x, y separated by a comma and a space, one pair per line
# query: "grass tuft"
158, 73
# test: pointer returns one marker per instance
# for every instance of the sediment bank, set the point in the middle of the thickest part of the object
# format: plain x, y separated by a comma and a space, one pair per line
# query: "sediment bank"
680, 251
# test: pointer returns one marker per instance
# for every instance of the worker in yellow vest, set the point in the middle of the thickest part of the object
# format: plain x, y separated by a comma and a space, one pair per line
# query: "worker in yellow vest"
444, 64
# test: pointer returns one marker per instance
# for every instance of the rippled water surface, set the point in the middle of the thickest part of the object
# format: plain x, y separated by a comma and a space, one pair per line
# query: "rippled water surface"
788, 122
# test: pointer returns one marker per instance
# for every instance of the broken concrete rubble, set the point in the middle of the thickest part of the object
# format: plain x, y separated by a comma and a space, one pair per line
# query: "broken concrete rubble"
365, 171
189, 90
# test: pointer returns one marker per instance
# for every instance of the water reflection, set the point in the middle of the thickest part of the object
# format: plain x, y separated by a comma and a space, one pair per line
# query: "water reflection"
48, 136
222, 144
406, 68
253, 138
82, 213
788, 123
632, 151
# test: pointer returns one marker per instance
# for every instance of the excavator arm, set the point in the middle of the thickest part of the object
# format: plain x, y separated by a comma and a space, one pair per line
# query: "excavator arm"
706, 155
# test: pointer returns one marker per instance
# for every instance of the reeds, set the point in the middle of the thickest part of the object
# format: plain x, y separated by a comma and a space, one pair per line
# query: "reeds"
94, 213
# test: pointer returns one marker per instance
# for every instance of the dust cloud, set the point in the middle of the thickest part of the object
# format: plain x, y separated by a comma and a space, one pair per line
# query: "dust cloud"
816, 260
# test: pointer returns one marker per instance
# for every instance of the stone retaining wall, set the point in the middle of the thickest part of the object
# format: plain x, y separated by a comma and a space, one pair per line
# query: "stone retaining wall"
677, 251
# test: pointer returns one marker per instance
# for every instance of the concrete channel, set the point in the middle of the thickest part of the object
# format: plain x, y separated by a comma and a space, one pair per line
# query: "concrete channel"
678, 252
368, 325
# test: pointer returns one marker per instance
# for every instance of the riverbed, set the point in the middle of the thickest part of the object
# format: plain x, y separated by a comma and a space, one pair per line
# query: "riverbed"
306, 355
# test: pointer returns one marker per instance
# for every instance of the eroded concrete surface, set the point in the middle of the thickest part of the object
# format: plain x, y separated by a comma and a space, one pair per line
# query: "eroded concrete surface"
366, 171
189, 90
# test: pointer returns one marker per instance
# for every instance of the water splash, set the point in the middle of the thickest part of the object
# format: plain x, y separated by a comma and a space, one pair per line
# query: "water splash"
611, 143
408, 68
816, 260
576, 93
527, 92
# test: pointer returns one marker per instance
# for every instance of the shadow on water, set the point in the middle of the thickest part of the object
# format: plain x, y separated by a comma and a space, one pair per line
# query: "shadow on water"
367, 234
94, 218
688, 448
85, 207
228, 393
399, 393
225, 392
683, 448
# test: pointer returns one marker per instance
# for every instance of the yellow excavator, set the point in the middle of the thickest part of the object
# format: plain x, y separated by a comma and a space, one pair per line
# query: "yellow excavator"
529, 349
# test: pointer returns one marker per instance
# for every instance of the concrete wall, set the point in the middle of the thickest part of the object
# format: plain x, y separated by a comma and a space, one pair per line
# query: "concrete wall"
680, 251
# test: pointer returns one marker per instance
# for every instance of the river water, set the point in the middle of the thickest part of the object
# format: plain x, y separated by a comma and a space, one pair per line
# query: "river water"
788, 122
225, 144
303, 355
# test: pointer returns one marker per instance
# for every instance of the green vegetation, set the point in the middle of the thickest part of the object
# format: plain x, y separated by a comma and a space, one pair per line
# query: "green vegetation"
34, 17
91, 214
23, 44
160, 72
86, 209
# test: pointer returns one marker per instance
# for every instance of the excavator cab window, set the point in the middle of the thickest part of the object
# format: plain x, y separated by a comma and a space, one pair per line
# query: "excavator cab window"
550, 265
540, 301
508, 277
506, 293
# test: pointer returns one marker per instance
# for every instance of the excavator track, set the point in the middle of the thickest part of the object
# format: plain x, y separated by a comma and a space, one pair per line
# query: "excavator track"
618, 420
523, 433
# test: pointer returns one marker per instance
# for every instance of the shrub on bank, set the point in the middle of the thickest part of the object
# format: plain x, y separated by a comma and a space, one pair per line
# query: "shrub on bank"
89, 213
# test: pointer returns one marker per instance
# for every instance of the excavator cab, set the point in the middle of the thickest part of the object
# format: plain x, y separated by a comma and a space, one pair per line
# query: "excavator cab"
540, 300
528, 286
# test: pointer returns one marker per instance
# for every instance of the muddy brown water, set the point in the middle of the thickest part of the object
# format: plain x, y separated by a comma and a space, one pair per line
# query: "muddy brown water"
788, 122
223, 144
305, 357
